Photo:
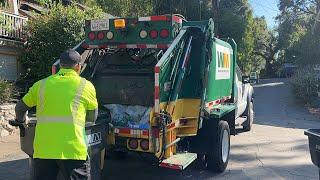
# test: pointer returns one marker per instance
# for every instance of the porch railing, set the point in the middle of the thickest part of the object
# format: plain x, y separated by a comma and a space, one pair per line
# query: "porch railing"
12, 26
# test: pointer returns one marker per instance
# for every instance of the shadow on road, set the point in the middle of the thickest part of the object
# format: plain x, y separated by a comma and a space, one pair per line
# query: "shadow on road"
134, 167
17, 170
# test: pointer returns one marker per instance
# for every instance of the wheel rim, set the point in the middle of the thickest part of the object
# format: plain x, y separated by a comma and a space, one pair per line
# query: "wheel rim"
225, 146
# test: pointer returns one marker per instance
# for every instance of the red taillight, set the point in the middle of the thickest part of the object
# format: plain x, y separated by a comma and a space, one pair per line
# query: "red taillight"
53, 69
100, 35
144, 144
164, 33
85, 45
153, 34
92, 36
133, 143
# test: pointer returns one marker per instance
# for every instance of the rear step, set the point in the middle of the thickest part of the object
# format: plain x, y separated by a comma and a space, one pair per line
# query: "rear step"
179, 161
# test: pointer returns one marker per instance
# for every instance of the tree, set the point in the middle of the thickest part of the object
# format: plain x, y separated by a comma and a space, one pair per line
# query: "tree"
191, 9
127, 8
52, 33
265, 48
298, 31
236, 21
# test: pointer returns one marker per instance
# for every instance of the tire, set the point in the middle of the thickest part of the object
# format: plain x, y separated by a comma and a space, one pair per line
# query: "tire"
218, 153
247, 125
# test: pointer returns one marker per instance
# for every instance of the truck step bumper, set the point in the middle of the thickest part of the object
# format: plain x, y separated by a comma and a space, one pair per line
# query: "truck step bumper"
179, 161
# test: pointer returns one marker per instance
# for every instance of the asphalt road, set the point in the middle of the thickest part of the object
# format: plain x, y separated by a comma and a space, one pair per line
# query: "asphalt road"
276, 148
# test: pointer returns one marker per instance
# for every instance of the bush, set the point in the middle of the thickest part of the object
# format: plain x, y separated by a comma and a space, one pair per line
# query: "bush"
52, 33
6, 91
305, 84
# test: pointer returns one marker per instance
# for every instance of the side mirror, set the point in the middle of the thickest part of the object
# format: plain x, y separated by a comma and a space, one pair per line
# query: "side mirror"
245, 79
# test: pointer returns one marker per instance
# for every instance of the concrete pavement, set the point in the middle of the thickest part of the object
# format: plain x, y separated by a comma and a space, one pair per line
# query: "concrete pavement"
276, 148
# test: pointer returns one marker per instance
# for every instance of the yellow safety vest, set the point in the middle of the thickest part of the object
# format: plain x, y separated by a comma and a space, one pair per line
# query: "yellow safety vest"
61, 101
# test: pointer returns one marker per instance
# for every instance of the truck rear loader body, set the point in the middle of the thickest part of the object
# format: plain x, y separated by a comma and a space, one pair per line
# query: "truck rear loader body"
182, 81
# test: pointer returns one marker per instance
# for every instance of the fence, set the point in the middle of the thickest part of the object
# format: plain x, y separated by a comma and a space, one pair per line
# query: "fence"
12, 26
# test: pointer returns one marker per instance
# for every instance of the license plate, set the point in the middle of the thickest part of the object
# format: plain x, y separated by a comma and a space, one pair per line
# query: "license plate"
100, 25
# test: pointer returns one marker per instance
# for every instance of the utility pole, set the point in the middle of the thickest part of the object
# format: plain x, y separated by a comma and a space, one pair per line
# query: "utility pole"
317, 17
215, 13
200, 4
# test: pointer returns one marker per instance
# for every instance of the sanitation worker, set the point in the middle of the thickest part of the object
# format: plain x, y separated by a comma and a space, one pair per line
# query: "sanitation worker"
64, 102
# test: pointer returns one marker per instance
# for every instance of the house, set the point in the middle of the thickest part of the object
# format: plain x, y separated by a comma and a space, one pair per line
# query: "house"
11, 40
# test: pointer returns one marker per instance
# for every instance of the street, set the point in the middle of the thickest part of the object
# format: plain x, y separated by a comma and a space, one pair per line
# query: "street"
276, 148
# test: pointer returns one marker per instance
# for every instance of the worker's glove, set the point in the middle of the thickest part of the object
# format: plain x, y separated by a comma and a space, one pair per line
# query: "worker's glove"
16, 123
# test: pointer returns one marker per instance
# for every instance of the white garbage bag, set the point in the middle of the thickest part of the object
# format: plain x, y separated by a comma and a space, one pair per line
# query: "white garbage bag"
132, 116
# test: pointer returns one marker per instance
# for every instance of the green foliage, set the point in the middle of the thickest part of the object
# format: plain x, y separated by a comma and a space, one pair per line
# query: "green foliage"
51, 34
251, 34
44, 2
305, 83
191, 9
127, 8
299, 31
6, 91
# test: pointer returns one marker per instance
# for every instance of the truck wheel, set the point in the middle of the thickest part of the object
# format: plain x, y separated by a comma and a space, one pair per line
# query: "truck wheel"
116, 155
218, 155
247, 125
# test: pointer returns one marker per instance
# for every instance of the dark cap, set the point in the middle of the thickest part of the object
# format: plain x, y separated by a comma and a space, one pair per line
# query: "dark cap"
70, 57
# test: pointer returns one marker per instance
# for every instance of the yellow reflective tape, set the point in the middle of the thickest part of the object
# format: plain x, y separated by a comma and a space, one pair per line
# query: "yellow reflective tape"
76, 100
41, 95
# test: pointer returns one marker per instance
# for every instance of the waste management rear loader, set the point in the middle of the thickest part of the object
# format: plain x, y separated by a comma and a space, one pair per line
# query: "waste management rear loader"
167, 87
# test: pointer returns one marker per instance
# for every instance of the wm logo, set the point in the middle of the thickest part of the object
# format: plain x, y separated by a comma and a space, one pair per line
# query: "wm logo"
223, 60
94, 139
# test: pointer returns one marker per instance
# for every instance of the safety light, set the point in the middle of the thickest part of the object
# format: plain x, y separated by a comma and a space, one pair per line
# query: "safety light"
153, 34
133, 143
143, 34
144, 144
109, 35
119, 23
91, 36
100, 35
164, 33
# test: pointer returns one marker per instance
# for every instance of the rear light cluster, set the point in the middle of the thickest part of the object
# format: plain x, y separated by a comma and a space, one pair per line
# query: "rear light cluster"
153, 34
135, 143
164, 33
100, 35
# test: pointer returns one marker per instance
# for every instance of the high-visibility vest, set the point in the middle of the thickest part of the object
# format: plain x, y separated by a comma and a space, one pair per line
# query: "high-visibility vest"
61, 101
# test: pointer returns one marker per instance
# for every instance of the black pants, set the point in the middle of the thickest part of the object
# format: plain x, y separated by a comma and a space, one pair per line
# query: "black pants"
47, 169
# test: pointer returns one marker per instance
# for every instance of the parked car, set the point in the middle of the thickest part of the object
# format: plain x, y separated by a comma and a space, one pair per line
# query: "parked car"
254, 77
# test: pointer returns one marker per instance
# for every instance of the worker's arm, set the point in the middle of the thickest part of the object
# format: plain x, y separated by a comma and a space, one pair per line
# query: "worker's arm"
92, 103
21, 111
92, 115
27, 102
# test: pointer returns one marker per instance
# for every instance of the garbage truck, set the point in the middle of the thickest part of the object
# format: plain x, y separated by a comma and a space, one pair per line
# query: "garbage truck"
166, 87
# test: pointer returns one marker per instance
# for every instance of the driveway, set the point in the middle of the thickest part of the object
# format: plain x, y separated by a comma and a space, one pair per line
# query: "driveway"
276, 148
